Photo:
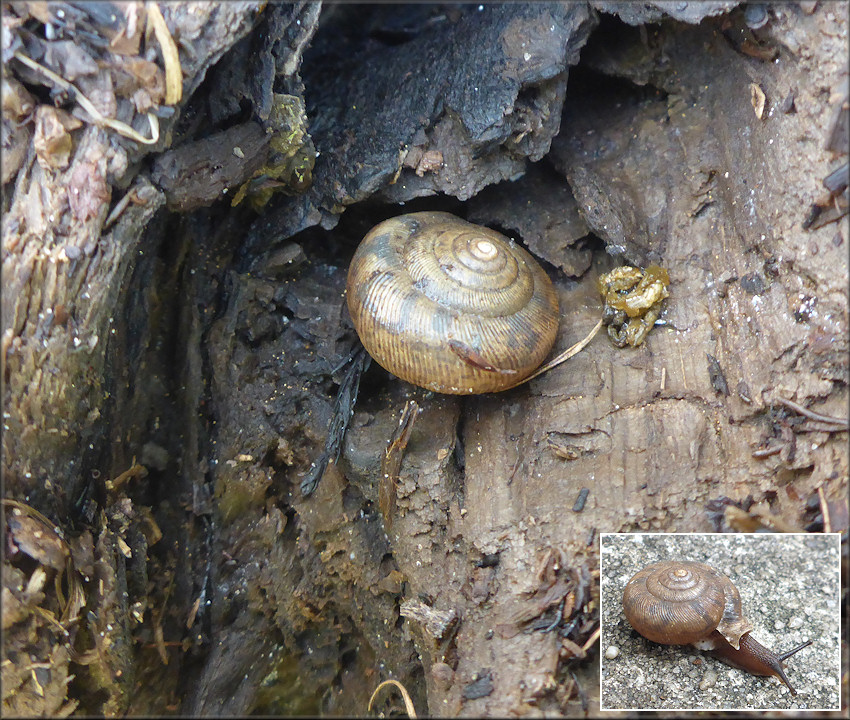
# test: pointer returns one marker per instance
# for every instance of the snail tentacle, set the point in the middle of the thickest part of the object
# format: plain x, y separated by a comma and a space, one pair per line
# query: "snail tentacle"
784, 656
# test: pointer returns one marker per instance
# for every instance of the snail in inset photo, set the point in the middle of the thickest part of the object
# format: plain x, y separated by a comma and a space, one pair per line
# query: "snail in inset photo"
690, 603
450, 306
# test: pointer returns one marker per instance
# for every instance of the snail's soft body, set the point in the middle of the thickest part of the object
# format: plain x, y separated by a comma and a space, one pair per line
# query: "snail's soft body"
450, 306
690, 603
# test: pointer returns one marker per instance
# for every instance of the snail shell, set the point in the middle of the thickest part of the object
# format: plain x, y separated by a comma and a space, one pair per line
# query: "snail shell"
678, 603
450, 306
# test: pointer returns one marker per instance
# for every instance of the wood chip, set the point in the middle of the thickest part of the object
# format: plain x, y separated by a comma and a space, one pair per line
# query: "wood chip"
391, 462
170, 56
758, 99
436, 623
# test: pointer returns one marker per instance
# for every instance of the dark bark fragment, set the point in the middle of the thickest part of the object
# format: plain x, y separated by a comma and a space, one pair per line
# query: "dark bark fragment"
482, 87
651, 12
198, 174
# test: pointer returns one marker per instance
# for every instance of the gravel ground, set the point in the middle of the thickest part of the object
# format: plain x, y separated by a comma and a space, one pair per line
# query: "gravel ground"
790, 589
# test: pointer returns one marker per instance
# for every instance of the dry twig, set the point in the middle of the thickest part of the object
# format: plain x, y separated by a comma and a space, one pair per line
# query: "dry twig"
824, 509
844, 423
563, 357
408, 703
173, 71
592, 639
99, 119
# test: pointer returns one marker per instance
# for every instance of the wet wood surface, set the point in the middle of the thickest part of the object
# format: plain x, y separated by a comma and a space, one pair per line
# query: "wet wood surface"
206, 347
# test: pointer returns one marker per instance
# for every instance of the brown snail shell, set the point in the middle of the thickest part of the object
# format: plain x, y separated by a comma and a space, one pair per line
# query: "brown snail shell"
680, 602
683, 602
450, 306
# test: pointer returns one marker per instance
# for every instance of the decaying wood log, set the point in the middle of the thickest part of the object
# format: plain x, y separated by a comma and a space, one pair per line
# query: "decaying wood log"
174, 333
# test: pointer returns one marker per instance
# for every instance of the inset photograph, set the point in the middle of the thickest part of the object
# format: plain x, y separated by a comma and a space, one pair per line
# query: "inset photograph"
720, 621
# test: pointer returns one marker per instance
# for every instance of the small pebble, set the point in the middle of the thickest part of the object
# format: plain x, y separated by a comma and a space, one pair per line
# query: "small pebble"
611, 652
796, 622
787, 105
709, 680
443, 675
752, 283
755, 15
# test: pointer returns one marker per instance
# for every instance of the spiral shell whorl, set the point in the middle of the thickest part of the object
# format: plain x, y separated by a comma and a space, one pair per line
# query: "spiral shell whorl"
675, 603
427, 289
471, 271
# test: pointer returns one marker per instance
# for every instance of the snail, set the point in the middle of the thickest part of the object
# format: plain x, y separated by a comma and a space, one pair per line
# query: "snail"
450, 306
680, 603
